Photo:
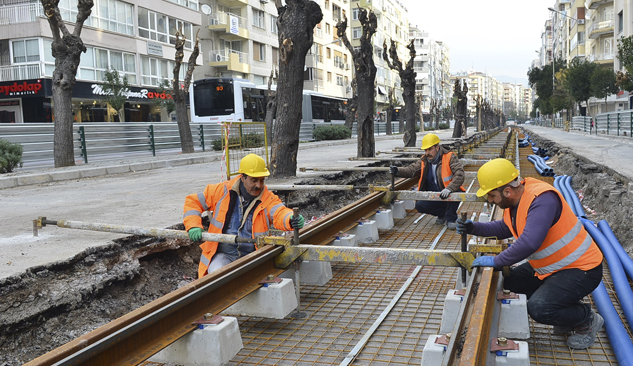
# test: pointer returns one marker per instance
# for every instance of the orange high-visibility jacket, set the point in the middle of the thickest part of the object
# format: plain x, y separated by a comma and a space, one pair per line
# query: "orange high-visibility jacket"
567, 244
447, 173
216, 199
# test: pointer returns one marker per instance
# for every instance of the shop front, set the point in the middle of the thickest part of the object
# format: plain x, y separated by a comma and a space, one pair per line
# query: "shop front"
29, 101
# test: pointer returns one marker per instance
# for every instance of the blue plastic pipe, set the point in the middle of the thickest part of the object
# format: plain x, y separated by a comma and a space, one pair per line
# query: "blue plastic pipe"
618, 337
565, 192
576, 205
625, 260
622, 288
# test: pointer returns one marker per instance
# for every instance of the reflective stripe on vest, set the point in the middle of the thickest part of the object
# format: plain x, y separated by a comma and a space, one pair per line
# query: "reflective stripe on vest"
569, 259
204, 260
212, 220
191, 213
203, 200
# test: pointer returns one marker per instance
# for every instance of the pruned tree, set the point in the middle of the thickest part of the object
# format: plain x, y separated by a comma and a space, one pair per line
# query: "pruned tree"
407, 80
116, 89
271, 104
296, 23
418, 110
66, 49
365, 76
180, 93
461, 113
352, 107
479, 103
390, 108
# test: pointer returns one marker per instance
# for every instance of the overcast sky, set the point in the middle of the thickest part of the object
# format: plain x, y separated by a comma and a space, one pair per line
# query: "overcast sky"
494, 36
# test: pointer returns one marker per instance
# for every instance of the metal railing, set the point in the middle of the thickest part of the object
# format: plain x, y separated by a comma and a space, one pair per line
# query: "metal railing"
17, 14
21, 72
107, 141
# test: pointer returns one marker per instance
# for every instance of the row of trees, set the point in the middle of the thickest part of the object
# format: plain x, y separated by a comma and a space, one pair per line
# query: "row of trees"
559, 86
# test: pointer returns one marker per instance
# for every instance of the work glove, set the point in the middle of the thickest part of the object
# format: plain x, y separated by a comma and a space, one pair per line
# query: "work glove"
195, 234
297, 222
445, 192
484, 261
464, 227
393, 170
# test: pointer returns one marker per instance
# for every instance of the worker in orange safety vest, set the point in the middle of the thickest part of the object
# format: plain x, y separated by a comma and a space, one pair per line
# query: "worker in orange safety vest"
242, 206
563, 264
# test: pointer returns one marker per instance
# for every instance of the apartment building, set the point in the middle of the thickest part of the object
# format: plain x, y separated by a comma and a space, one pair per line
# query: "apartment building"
135, 38
480, 83
393, 24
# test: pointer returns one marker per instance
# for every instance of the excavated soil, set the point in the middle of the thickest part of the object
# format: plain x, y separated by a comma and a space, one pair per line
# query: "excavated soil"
47, 306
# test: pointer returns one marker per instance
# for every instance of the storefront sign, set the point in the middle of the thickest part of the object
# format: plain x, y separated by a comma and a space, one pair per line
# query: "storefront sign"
21, 88
154, 48
95, 91
9, 103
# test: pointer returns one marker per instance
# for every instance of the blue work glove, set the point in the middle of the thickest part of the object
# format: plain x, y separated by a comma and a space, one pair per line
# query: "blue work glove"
484, 261
464, 227
297, 222
445, 192
195, 234
393, 170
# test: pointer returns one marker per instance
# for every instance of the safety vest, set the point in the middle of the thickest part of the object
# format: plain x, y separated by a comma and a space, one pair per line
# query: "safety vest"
270, 212
567, 244
447, 173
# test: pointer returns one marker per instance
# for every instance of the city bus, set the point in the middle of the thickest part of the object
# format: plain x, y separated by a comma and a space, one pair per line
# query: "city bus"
239, 100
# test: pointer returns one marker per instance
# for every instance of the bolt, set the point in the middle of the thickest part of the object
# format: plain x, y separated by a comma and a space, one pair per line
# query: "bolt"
208, 316
502, 341
270, 277
506, 292
448, 336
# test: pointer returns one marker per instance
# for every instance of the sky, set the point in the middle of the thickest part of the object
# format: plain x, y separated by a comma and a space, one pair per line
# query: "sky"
498, 37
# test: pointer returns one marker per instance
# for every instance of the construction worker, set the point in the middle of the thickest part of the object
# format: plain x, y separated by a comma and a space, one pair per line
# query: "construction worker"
440, 171
563, 263
242, 206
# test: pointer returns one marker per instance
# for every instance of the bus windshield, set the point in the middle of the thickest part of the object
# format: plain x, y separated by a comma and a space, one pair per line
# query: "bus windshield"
213, 98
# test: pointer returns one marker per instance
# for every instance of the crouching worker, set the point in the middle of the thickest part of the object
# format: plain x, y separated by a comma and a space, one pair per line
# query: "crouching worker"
563, 263
439, 170
242, 206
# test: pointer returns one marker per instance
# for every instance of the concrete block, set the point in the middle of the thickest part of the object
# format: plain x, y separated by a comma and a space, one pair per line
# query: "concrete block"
213, 345
452, 303
384, 219
514, 358
433, 353
315, 272
93, 172
141, 166
484, 217
66, 175
366, 231
34, 179
271, 301
409, 204
118, 169
513, 318
399, 212
8, 182
345, 240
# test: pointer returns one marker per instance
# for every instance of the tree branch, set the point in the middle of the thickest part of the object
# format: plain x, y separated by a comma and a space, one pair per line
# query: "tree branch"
84, 8
192, 63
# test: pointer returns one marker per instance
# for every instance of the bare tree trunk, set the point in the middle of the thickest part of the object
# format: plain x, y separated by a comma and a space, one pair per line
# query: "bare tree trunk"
407, 80
66, 49
271, 107
365, 74
352, 107
296, 23
180, 94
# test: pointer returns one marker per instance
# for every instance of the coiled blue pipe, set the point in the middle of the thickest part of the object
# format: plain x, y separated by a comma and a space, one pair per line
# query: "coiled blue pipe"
540, 166
625, 260
618, 337
563, 189
575, 202
622, 288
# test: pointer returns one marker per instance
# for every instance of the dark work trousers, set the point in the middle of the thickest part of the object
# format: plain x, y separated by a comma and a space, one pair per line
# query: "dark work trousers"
556, 299
445, 210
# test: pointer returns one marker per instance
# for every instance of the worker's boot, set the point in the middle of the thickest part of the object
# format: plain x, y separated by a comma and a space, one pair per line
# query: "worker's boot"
562, 329
585, 334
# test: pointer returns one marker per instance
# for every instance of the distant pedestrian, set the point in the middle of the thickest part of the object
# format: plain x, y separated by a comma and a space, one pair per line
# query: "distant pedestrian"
591, 128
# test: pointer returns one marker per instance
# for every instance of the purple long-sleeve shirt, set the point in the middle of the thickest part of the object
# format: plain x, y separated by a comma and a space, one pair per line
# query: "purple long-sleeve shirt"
543, 213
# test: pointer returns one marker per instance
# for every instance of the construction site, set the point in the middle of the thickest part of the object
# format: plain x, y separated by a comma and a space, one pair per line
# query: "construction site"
98, 270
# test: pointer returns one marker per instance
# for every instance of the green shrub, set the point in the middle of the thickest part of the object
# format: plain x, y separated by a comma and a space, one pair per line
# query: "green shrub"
417, 128
10, 156
334, 132
249, 140
444, 126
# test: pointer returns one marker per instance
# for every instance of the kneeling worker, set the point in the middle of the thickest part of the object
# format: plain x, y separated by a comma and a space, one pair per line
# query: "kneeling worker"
440, 171
563, 263
242, 206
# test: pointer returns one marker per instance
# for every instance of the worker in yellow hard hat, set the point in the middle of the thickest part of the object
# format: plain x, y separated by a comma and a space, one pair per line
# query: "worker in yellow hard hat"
242, 206
563, 263
439, 170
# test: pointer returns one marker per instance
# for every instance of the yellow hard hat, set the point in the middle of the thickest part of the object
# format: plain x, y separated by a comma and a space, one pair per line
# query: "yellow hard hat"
429, 140
494, 174
253, 166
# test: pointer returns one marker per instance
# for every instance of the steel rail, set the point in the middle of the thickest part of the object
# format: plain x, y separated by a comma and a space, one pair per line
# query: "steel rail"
136, 336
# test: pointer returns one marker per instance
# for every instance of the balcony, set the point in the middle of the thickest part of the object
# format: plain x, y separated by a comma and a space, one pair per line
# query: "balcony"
20, 72
601, 58
232, 60
595, 4
17, 14
602, 28
233, 3
234, 26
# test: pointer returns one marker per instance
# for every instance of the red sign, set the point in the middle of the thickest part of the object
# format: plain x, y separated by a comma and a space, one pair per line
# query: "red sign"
19, 89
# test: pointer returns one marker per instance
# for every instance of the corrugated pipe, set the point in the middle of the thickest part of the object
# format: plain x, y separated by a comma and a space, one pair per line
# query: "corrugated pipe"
627, 262
540, 166
618, 337
573, 200
622, 288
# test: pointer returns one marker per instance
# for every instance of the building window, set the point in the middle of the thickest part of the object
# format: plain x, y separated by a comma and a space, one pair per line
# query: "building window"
161, 28
113, 15
355, 13
26, 50
328, 52
259, 51
154, 70
185, 28
275, 56
336, 12
273, 24
339, 80
357, 32
329, 77
620, 22
258, 18
327, 4
327, 29
192, 4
